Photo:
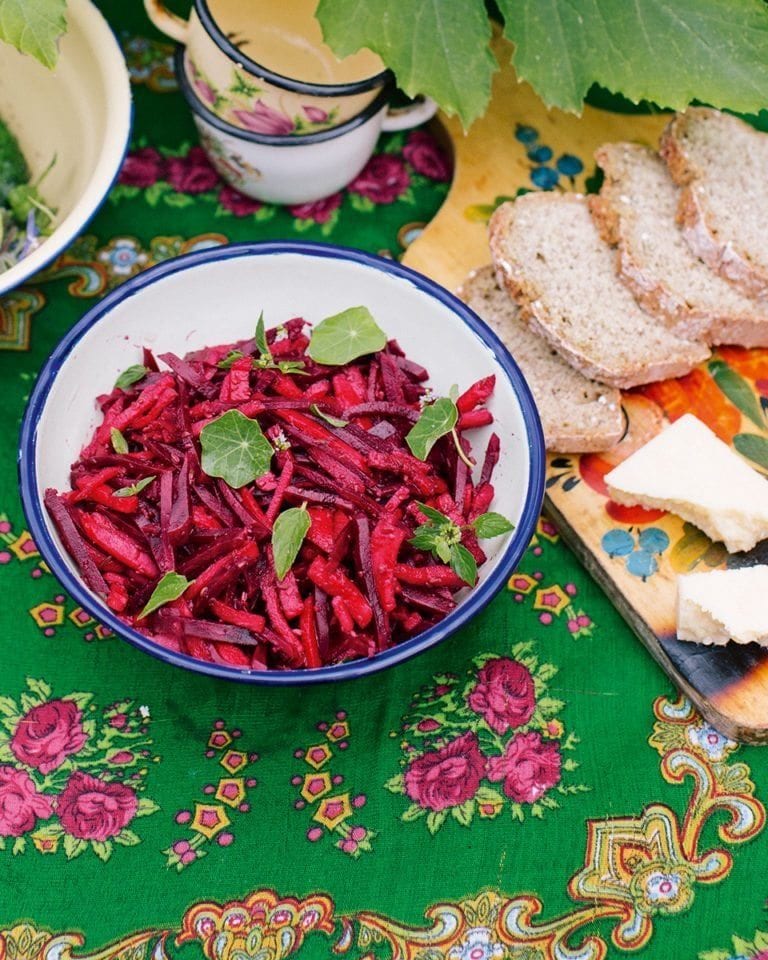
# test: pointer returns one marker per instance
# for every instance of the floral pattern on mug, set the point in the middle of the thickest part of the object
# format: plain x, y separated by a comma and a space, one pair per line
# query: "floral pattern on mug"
71, 776
490, 742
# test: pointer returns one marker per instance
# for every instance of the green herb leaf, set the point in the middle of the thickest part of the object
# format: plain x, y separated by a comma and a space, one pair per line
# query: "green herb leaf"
226, 362
489, 525
235, 449
132, 375
436, 420
119, 443
261, 337
434, 515
438, 535
463, 564
134, 488
170, 587
291, 366
453, 393
334, 421
738, 391
288, 533
34, 27
346, 336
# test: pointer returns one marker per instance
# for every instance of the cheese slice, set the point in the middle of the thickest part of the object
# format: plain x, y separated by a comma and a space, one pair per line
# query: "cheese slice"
687, 470
723, 605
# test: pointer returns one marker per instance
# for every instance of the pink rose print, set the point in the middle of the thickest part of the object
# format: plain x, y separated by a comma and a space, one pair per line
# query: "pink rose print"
47, 734
383, 179
504, 694
448, 776
319, 210
192, 173
205, 90
315, 114
142, 168
263, 119
20, 803
528, 767
93, 809
237, 202
427, 157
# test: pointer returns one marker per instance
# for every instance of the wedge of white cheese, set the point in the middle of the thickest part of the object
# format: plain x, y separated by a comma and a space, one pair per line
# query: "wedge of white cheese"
687, 470
723, 605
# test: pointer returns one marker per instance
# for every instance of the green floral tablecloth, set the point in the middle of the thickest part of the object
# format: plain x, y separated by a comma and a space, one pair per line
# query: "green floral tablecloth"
534, 788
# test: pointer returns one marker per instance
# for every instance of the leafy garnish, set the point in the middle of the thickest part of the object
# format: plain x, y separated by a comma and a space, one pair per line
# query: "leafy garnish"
264, 362
436, 420
440, 536
119, 443
235, 449
261, 337
170, 587
489, 525
288, 534
334, 421
134, 488
34, 27
130, 376
226, 362
346, 336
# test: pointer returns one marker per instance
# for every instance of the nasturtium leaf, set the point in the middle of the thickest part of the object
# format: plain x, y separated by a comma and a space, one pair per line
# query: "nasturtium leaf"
346, 336
34, 27
235, 449
132, 375
463, 564
489, 525
135, 488
667, 51
334, 421
170, 587
119, 443
288, 533
435, 47
436, 420
261, 337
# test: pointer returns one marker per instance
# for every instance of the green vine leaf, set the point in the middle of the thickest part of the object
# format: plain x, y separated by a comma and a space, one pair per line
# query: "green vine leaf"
34, 27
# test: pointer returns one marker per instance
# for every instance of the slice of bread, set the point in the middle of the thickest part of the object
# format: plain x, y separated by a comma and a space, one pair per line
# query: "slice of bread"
549, 255
577, 414
636, 210
722, 165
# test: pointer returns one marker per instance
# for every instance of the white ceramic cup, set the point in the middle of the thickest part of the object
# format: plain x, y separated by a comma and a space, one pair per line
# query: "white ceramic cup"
285, 169
263, 66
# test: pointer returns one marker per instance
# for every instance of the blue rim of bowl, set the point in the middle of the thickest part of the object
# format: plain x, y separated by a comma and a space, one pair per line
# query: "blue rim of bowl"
473, 602
270, 139
223, 42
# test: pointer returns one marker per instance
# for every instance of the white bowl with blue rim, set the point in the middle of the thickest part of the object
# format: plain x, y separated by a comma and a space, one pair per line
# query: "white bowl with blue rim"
213, 296
78, 113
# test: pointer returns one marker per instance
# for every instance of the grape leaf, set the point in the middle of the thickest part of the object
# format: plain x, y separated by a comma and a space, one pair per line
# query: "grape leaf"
170, 587
235, 449
34, 27
346, 336
667, 51
288, 534
436, 420
133, 374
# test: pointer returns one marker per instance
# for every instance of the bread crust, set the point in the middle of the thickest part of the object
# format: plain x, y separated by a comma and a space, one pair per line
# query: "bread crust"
655, 296
528, 299
720, 255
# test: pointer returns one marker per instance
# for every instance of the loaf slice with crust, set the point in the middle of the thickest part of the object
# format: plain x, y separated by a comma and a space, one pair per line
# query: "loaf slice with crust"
636, 211
577, 414
549, 255
722, 165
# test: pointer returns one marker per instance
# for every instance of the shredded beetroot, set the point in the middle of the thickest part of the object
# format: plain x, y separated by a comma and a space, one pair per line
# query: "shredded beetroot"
357, 585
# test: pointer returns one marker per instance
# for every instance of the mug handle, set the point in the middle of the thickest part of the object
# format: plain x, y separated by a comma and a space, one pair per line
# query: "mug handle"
406, 117
168, 23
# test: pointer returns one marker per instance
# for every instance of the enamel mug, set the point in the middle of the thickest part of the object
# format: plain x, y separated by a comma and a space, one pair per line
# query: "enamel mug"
262, 66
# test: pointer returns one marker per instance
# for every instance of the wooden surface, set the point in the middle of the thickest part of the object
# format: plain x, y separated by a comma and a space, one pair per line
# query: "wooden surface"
729, 685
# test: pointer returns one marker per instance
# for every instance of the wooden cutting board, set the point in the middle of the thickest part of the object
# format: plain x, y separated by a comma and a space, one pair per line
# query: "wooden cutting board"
635, 555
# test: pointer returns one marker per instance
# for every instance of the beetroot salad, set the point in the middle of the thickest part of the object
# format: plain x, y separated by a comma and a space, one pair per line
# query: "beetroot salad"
294, 500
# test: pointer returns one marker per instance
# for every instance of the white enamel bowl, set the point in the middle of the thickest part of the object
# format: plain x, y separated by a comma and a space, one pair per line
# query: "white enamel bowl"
214, 296
80, 112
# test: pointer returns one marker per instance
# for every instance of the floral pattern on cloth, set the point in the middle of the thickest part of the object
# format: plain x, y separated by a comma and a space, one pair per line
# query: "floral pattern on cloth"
71, 777
636, 869
209, 820
334, 809
177, 176
484, 743
150, 63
